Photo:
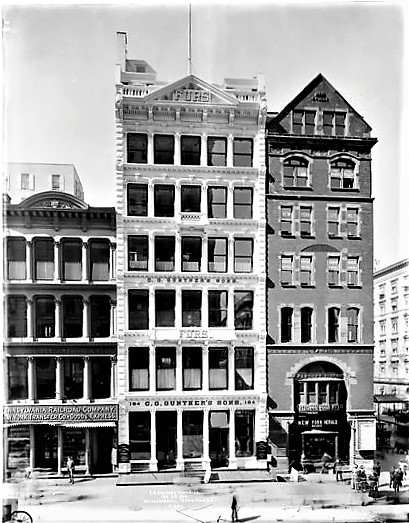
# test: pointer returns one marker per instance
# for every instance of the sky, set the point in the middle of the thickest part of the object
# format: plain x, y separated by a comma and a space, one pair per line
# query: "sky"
59, 79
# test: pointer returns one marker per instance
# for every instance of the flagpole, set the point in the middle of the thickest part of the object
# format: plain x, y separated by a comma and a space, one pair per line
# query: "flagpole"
189, 53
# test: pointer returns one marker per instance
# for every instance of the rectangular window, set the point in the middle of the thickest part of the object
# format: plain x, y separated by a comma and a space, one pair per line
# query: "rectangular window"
191, 254
165, 368
140, 435
243, 255
244, 368
333, 324
243, 152
99, 259
334, 123
100, 378
295, 171
191, 308
303, 122
46, 378
328, 117
243, 203
16, 258
353, 315
17, 378
286, 270
163, 149
218, 307
311, 393
164, 253
44, 258
217, 254
100, 315
286, 220
333, 221
309, 123
394, 325
138, 309
218, 368
343, 175
333, 270
137, 148
55, 182
16, 316
25, 181
165, 308
286, 324
192, 368
297, 122
137, 199
306, 221
44, 310
340, 124
306, 324
306, 270
72, 316
71, 259
244, 432
192, 429
164, 201
138, 253
353, 270
138, 368
217, 202
352, 222
190, 196
73, 377
216, 151
243, 310
190, 148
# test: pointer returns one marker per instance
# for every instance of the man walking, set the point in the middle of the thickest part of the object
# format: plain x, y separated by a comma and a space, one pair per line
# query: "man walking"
234, 508
71, 469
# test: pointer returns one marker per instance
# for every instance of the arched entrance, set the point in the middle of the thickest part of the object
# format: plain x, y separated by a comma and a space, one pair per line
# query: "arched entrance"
320, 421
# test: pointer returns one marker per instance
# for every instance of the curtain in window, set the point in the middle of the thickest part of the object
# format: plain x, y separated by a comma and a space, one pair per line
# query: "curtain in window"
140, 379
218, 378
192, 378
165, 379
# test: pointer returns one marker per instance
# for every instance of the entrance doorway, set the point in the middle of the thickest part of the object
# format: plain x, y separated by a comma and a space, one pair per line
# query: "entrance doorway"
166, 431
45, 447
219, 439
101, 449
315, 444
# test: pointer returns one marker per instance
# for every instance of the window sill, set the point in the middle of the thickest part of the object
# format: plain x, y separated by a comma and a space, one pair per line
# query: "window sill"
350, 237
283, 235
296, 188
342, 189
354, 286
335, 286
307, 286
307, 236
334, 237
288, 286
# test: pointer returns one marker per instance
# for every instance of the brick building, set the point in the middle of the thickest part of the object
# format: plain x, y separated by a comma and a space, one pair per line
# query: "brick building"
319, 270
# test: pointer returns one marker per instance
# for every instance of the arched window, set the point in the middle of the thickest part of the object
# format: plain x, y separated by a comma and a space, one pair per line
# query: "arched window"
343, 175
296, 172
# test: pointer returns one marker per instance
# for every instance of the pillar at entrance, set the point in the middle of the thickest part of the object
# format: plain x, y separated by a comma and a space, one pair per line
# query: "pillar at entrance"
87, 451
232, 441
60, 453
32, 447
206, 457
153, 464
179, 440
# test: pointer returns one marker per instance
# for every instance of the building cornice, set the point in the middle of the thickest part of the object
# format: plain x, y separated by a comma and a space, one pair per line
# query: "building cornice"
391, 268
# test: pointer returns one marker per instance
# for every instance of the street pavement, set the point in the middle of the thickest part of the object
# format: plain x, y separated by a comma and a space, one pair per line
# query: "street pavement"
315, 498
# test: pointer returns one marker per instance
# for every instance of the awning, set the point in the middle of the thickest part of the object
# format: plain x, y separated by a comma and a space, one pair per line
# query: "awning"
89, 424
389, 398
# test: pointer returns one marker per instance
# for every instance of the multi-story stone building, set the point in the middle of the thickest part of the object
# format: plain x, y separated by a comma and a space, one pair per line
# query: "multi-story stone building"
190, 270
319, 287
59, 333
391, 319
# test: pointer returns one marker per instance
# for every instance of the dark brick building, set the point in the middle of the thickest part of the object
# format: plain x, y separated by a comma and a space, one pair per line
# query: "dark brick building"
319, 296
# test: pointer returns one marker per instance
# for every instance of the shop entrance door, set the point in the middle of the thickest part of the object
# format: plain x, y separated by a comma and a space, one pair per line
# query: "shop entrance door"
166, 431
314, 445
45, 447
219, 439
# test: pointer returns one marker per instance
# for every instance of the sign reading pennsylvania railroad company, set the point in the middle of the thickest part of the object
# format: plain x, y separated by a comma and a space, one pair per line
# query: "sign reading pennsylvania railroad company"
59, 413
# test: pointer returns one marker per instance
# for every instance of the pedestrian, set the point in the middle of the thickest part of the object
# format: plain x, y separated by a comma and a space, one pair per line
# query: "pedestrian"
391, 476
71, 469
234, 508
338, 470
397, 480
326, 459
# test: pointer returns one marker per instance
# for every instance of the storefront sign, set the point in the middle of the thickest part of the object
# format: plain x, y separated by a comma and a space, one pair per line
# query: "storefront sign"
123, 453
187, 334
59, 413
261, 450
193, 402
191, 95
367, 435
310, 423
187, 279
320, 407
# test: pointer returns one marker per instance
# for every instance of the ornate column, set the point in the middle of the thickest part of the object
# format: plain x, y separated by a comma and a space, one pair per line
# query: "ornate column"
29, 261
31, 379
178, 207
230, 253
86, 383
231, 367
230, 151
152, 368
30, 333
179, 441
153, 465
32, 447
232, 440
60, 450
203, 150
205, 368
59, 379
112, 268
151, 309
85, 327
179, 369
177, 148
56, 261
151, 251
57, 331
230, 309
178, 308
88, 464
112, 329
150, 150
84, 265
205, 308
206, 457
178, 257
151, 195
113, 377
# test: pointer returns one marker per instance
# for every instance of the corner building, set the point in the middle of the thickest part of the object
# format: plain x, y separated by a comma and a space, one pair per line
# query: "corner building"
319, 285
190, 271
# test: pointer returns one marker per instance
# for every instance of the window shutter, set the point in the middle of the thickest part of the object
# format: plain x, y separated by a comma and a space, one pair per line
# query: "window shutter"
296, 214
343, 226
344, 266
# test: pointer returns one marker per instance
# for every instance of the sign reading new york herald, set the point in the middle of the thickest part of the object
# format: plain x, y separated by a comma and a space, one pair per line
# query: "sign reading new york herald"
59, 413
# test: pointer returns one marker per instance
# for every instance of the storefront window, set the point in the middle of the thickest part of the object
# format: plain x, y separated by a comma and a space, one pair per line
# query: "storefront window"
46, 374
71, 258
139, 368
18, 455
46, 444
244, 430
218, 368
140, 435
192, 368
74, 445
16, 258
17, 373
165, 368
192, 426
16, 317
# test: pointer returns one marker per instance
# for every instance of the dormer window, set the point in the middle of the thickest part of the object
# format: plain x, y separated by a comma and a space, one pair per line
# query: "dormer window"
296, 172
343, 175
303, 122
334, 123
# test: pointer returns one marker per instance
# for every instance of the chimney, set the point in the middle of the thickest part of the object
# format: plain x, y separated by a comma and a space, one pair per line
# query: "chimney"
121, 53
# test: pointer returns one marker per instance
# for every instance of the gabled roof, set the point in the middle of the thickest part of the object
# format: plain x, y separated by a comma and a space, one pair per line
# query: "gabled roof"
308, 89
190, 82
